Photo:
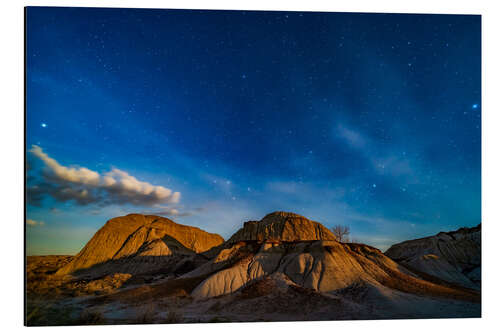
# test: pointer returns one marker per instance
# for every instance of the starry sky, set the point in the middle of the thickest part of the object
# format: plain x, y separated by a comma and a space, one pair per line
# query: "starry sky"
213, 118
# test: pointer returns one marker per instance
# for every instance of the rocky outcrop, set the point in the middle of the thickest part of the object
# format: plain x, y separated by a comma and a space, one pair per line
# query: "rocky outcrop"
454, 257
283, 246
324, 266
135, 243
284, 227
289, 246
284, 267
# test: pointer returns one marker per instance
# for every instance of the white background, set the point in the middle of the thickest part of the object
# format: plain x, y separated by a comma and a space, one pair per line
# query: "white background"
11, 162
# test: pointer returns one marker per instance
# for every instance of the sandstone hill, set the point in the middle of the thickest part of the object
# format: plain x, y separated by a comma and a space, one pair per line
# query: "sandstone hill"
138, 243
138, 268
284, 227
454, 257
290, 247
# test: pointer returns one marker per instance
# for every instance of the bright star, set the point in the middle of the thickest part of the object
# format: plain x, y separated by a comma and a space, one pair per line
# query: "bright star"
475, 106
243, 76
43, 125
374, 185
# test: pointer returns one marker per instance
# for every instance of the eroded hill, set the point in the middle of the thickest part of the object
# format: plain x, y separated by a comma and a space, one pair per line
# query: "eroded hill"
283, 267
307, 254
137, 244
454, 257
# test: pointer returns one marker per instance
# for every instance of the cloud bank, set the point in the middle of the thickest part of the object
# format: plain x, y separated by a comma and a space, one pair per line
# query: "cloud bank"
33, 223
85, 186
65, 174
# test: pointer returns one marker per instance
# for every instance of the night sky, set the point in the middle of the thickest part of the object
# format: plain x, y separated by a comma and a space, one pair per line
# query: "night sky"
213, 118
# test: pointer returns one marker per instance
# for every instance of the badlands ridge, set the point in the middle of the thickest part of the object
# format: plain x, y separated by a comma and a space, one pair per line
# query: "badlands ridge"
265, 268
284, 245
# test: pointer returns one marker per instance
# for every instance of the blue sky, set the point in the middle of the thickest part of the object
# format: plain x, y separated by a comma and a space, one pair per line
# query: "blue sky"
213, 118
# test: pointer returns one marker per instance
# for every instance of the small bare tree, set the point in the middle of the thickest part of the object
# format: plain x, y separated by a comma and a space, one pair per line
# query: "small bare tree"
341, 232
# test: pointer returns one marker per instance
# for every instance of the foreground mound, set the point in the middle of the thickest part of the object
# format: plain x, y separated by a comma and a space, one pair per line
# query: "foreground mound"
307, 254
136, 243
454, 257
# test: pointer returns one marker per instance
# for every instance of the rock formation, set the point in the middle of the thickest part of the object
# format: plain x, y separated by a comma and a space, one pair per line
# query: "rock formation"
136, 243
454, 257
282, 246
284, 267
290, 247
284, 227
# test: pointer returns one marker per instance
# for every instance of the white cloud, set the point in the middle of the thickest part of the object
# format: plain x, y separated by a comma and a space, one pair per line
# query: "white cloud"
126, 188
65, 174
33, 223
85, 186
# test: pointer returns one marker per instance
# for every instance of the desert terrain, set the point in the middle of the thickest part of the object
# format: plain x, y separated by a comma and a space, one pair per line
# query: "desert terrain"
285, 267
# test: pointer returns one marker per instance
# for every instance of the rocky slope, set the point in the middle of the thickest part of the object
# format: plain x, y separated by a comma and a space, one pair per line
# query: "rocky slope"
138, 243
290, 247
146, 269
454, 257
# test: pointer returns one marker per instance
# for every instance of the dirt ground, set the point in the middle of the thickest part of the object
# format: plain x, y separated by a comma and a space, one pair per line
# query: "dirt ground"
155, 299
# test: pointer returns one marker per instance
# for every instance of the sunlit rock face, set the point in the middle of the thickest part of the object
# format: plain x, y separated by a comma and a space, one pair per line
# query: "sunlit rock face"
282, 226
134, 243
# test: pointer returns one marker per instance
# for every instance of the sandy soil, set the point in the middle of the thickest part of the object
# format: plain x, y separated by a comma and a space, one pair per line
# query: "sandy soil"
163, 299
